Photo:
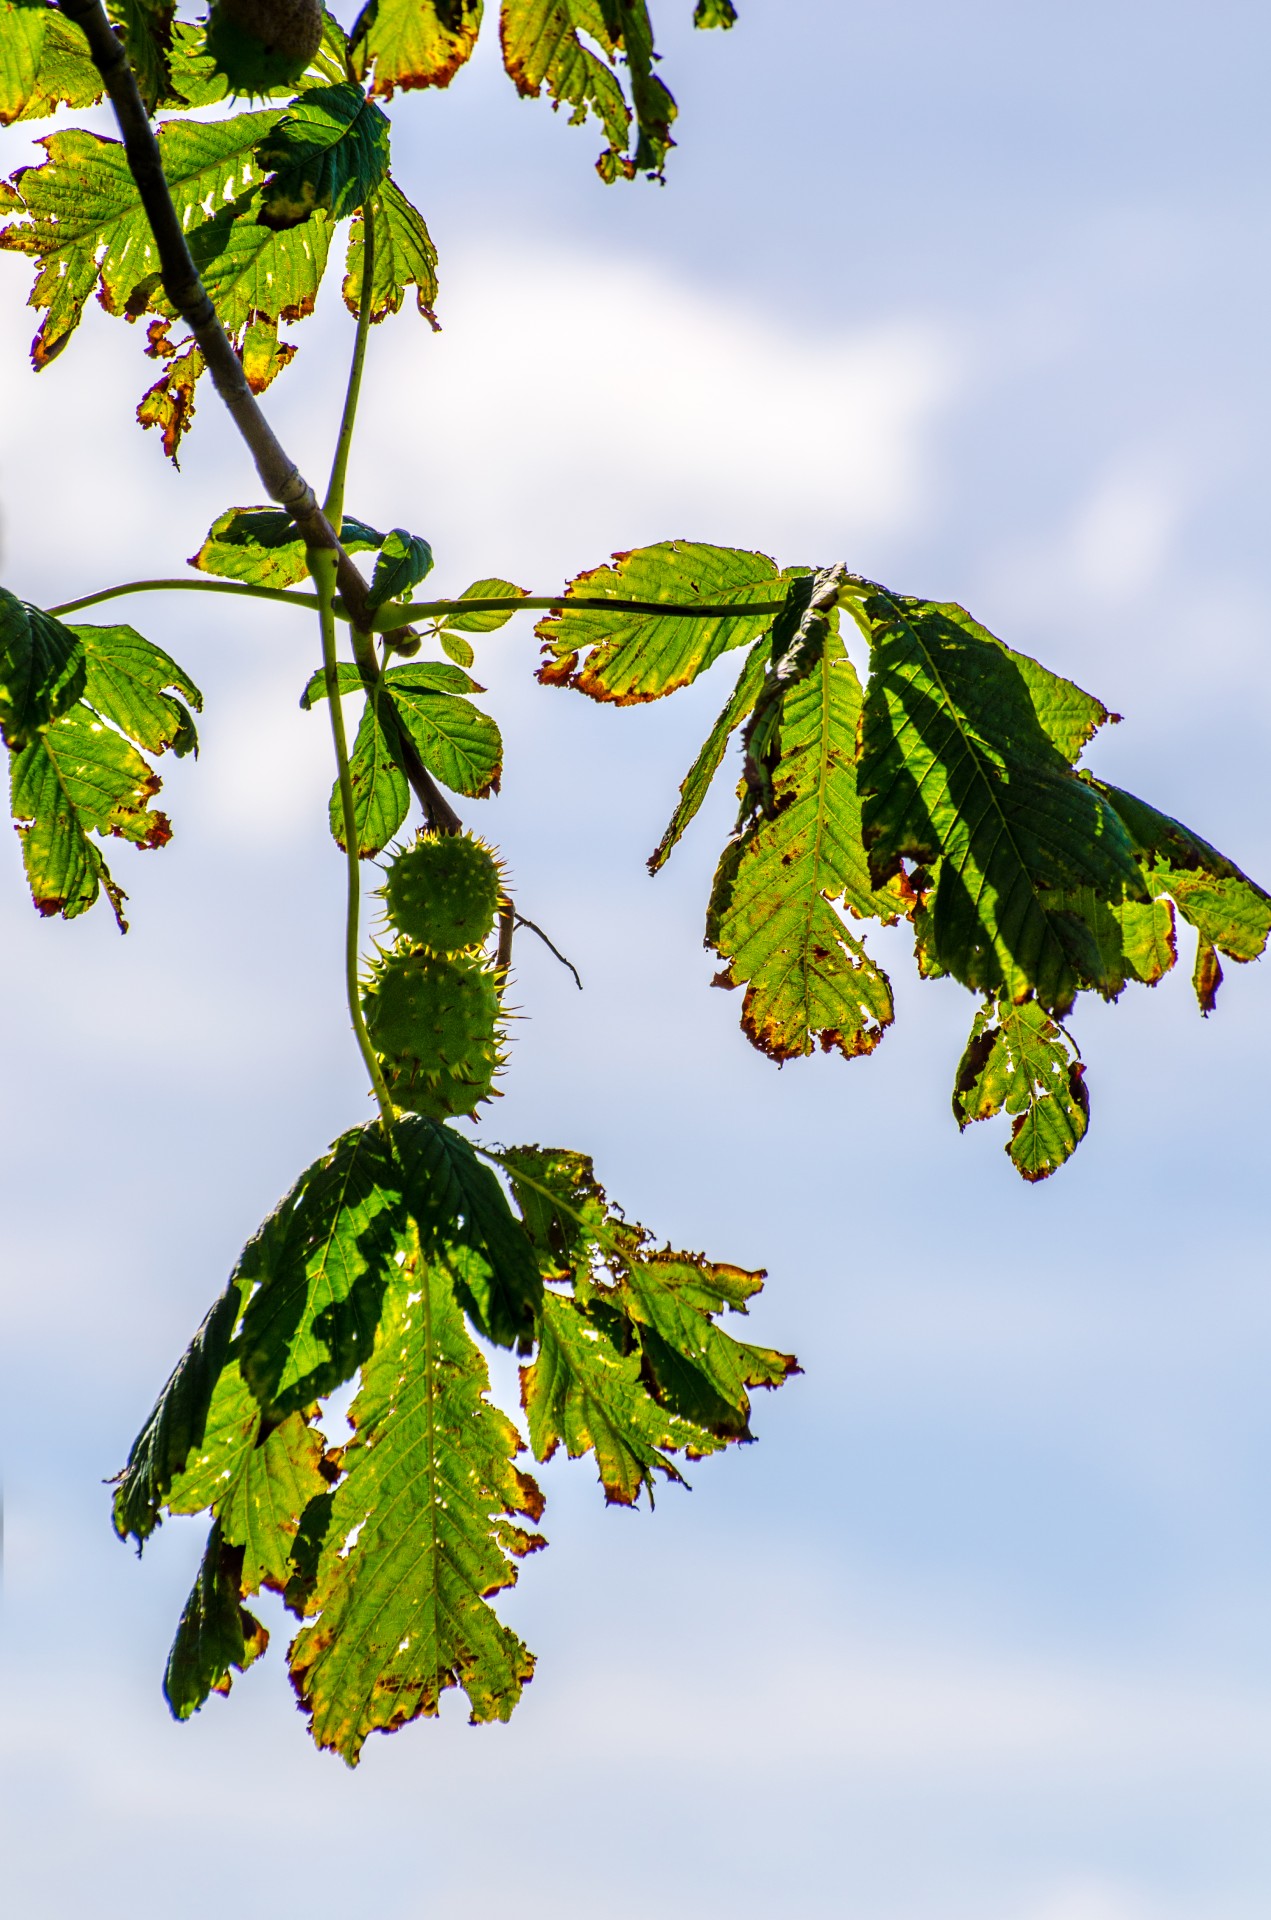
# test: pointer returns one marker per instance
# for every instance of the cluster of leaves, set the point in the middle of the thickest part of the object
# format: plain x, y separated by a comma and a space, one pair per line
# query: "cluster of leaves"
261, 193
379, 1265
79, 709
944, 792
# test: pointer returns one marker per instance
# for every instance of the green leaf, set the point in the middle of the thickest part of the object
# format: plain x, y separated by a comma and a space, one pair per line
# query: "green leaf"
147, 26
466, 1224
413, 43
260, 1511
488, 622
458, 743
87, 230
404, 561
381, 792
696, 782
76, 778
959, 771
629, 657
22, 24
253, 272
632, 1364
714, 13
181, 1423
455, 647
66, 75
42, 670
328, 153
260, 545
128, 682
550, 43
1020, 1061
1228, 909
435, 676
216, 1632
420, 1535
404, 257
772, 919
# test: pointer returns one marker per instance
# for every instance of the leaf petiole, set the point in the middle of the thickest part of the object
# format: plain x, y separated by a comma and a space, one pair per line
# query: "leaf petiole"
307, 600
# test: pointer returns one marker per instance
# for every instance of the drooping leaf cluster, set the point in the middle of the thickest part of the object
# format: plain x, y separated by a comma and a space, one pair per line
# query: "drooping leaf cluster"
945, 792
80, 708
378, 1267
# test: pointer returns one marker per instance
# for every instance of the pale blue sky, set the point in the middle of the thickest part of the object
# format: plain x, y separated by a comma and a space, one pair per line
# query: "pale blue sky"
975, 299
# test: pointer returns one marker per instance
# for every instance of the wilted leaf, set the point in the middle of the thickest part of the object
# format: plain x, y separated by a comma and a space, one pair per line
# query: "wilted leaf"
553, 44
1229, 910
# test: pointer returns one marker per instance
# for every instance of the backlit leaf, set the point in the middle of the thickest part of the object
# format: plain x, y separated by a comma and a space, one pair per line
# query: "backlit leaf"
571, 48
458, 743
260, 546
714, 13
129, 681
42, 670
771, 917
959, 771
404, 560
169, 403
327, 153
404, 257
628, 657
696, 782
1019, 1060
413, 43
1227, 908
147, 26
381, 792
22, 24
420, 1534
487, 622
216, 1632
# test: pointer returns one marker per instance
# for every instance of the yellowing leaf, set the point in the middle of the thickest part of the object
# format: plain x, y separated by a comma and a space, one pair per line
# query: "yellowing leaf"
404, 257
1020, 1061
413, 43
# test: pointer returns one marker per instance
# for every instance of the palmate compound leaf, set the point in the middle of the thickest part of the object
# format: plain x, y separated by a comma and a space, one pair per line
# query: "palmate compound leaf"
260, 546
552, 44
413, 43
419, 1534
1020, 1060
632, 1365
404, 257
625, 658
75, 770
318, 1291
327, 154
960, 770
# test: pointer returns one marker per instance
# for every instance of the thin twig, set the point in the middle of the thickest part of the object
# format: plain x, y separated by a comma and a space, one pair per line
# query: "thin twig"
521, 921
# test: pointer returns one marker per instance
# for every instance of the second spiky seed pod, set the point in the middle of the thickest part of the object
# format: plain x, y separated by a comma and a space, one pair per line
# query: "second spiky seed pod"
442, 892
434, 1022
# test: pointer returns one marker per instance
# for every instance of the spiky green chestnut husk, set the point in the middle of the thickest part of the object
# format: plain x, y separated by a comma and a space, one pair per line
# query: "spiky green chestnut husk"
434, 1022
442, 892
260, 45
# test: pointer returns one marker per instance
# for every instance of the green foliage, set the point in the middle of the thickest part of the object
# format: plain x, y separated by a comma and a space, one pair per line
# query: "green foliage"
404, 560
939, 786
76, 703
1019, 1060
328, 152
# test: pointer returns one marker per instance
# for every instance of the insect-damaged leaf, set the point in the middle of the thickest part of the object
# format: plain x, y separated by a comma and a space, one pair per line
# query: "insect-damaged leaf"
327, 154
44, 62
628, 657
42, 670
404, 257
413, 43
632, 1364
420, 1532
85, 225
78, 777
260, 545
1228, 909
771, 917
404, 560
960, 771
1019, 1059
549, 43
